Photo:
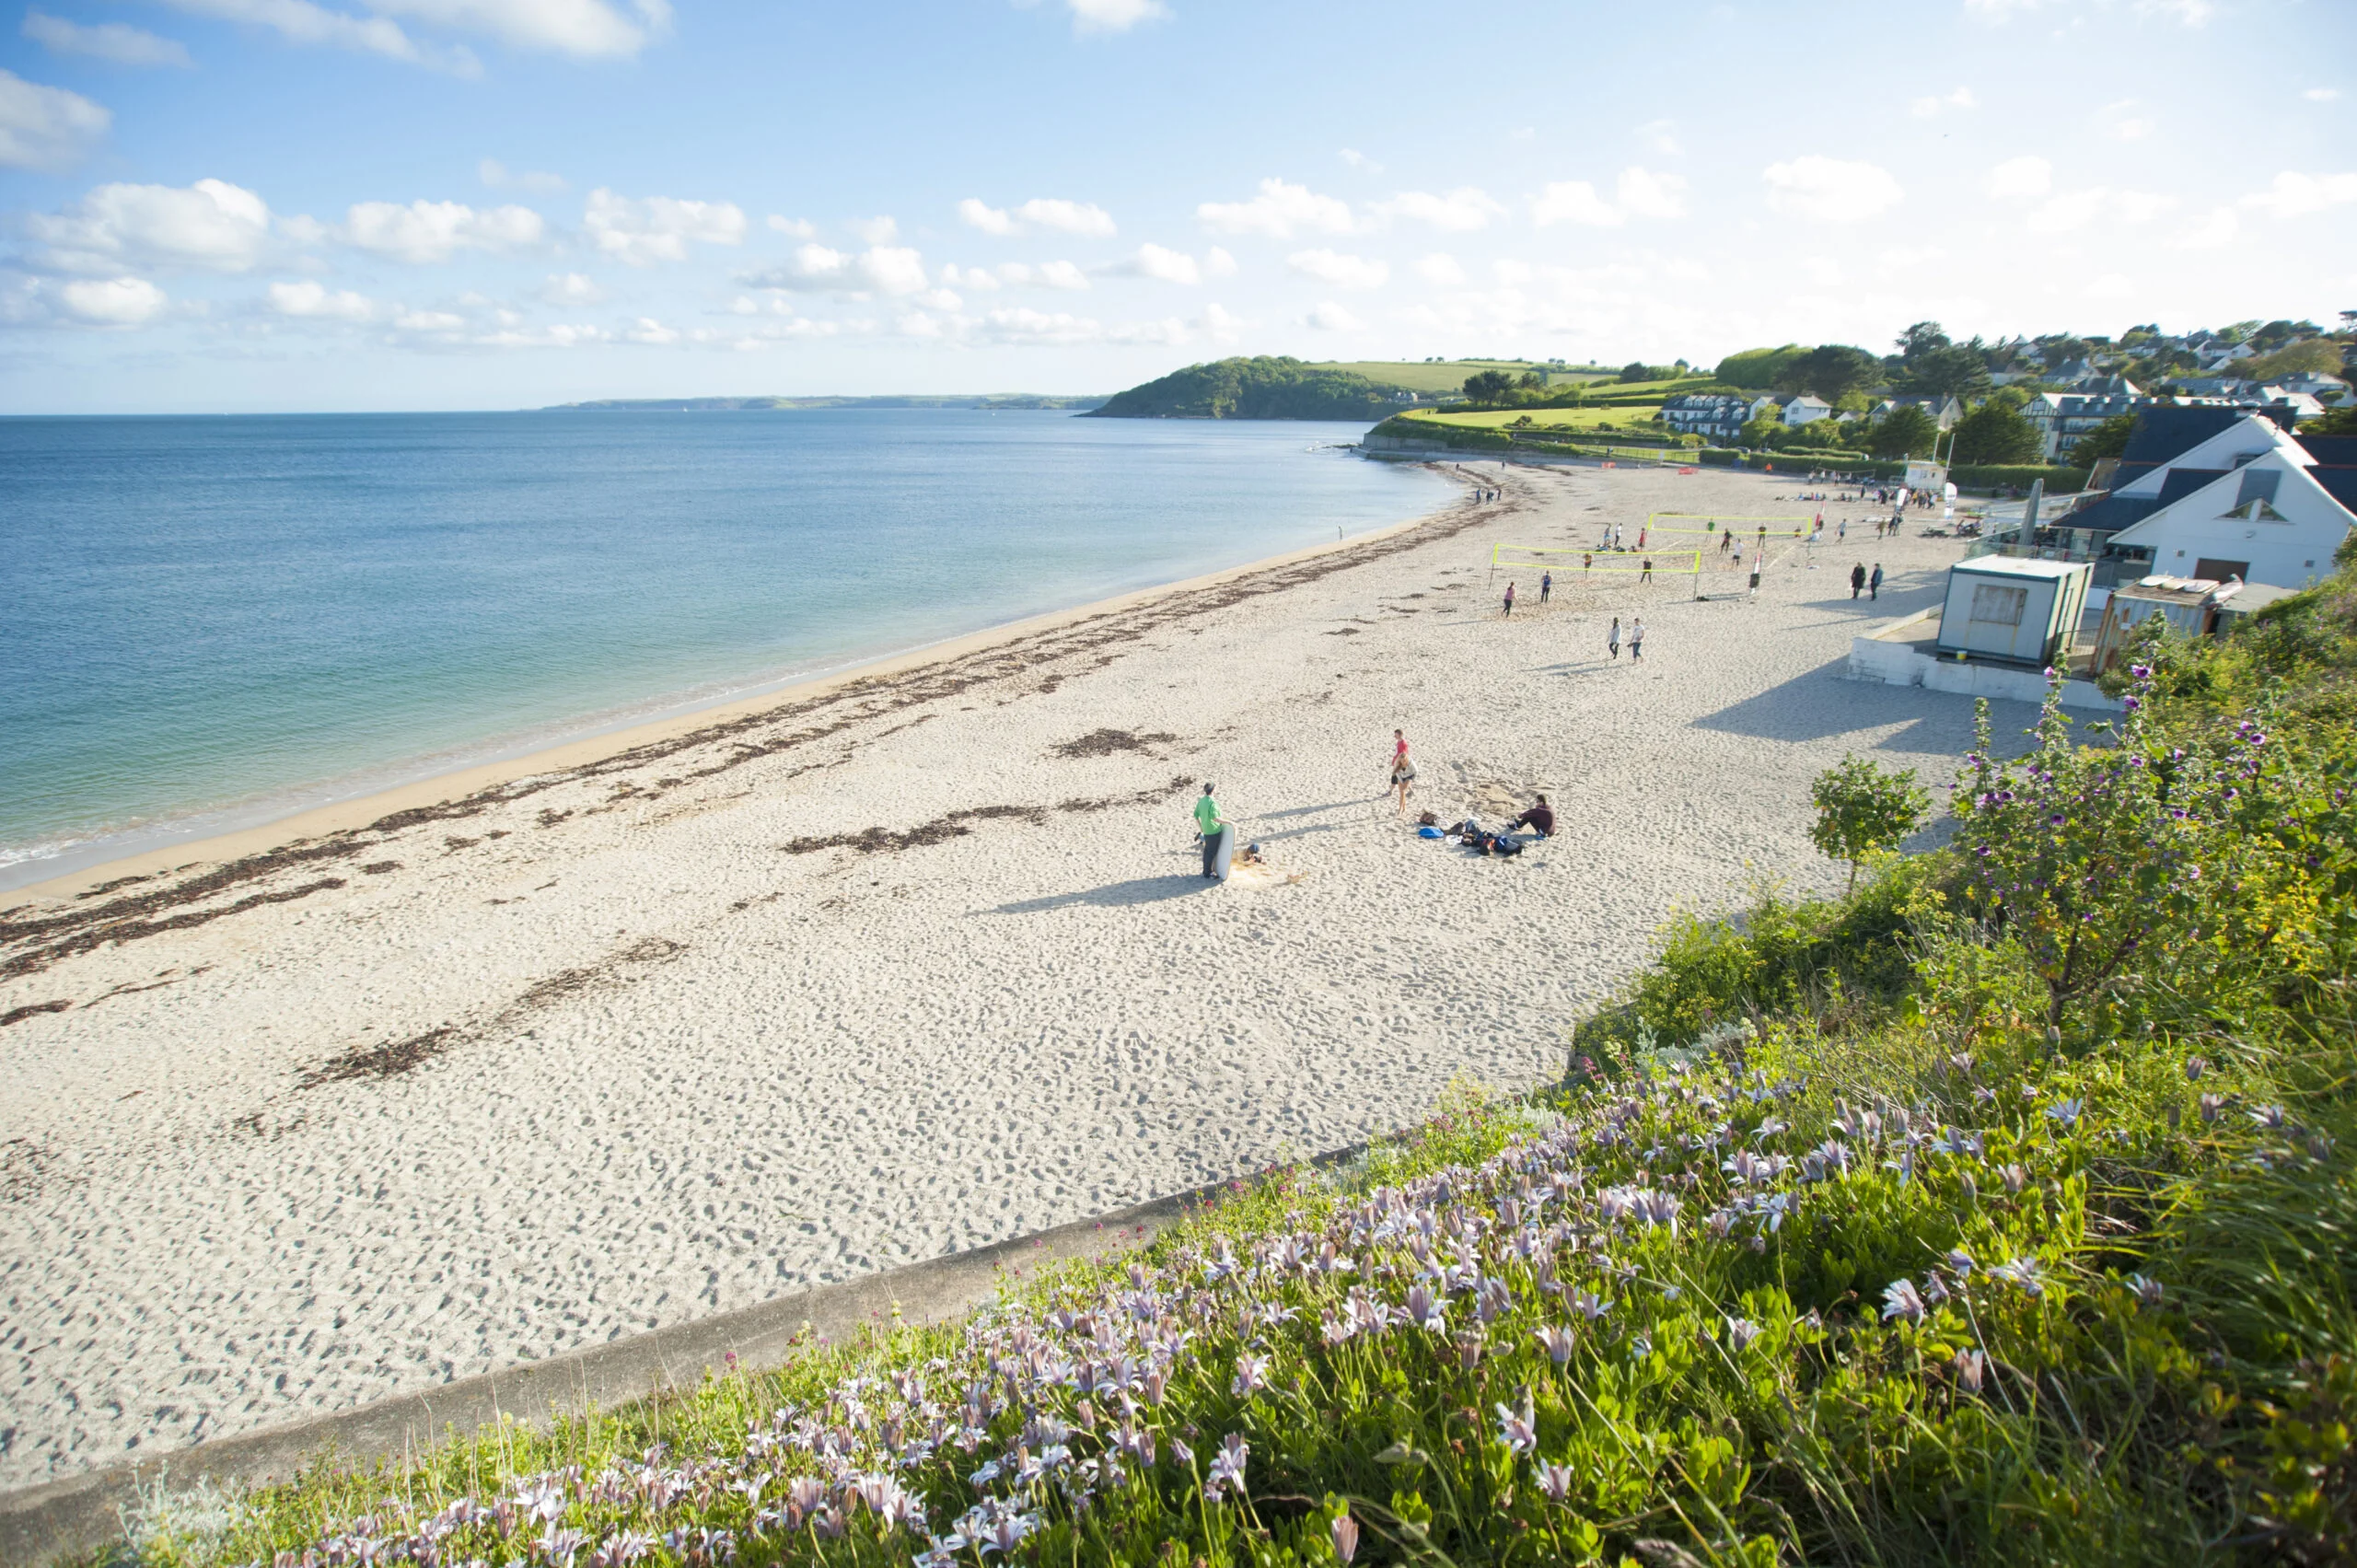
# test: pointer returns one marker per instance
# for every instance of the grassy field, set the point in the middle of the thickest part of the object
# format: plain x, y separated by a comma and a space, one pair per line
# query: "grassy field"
1584, 419
1448, 375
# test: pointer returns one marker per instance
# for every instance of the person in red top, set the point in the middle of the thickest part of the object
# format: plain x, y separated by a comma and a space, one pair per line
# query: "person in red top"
1403, 772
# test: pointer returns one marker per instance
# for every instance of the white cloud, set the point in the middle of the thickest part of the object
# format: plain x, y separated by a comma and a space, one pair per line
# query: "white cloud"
658, 228
1278, 211
1823, 270
980, 215
2219, 227
46, 127
875, 230
1040, 212
1067, 217
117, 41
2020, 177
821, 269
584, 28
1574, 200
1645, 195
1440, 268
570, 288
1218, 264
2321, 95
1330, 316
111, 302
2110, 285
1151, 261
2068, 210
209, 226
425, 232
429, 322
1114, 16
2122, 127
647, 329
798, 228
300, 21
1929, 107
1060, 275
1459, 212
2295, 195
311, 299
1358, 159
1341, 271
970, 278
1830, 190
1219, 326
1662, 136
496, 174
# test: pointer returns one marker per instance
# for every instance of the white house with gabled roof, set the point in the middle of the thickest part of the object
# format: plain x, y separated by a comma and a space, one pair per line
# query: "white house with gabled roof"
2247, 440
2265, 521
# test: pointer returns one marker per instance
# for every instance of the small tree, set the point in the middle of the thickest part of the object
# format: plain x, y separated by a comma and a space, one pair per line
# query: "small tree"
1903, 433
1862, 809
1995, 434
1488, 386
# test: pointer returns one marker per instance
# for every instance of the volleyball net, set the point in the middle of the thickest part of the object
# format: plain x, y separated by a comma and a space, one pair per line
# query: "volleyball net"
1715, 523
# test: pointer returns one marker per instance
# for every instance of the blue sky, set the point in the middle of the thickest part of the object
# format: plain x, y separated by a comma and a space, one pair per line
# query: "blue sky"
221, 205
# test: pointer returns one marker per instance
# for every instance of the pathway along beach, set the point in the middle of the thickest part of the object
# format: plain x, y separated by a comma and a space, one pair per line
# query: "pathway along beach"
889, 969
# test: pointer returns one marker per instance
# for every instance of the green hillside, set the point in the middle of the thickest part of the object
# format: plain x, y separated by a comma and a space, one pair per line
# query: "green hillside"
1447, 376
1263, 387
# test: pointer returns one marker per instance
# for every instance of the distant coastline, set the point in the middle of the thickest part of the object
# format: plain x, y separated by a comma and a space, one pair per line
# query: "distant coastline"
731, 405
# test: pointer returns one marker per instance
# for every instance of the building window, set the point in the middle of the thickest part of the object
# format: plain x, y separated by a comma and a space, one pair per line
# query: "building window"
2259, 484
1993, 605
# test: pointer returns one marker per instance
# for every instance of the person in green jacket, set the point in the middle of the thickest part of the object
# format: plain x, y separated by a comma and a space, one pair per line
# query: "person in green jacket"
1212, 825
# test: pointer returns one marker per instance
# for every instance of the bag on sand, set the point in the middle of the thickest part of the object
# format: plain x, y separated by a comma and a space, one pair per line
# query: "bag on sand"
1428, 820
1506, 847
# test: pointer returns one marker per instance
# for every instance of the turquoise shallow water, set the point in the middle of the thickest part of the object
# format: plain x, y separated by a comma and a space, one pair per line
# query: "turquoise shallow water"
214, 621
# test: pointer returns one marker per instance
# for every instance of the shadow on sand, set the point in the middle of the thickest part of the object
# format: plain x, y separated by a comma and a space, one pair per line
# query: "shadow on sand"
1824, 704
1116, 894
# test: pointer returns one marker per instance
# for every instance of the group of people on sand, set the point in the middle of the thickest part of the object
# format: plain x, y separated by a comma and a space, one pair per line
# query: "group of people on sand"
1540, 818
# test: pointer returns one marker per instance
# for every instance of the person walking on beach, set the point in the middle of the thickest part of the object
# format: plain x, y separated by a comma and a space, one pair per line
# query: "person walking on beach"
1546, 585
1588, 565
1873, 584
1509, 598
1612, 638
1647, 575
1857, 580
1726, 538
1842, 530
1637, 639
1212, 826
1403, 772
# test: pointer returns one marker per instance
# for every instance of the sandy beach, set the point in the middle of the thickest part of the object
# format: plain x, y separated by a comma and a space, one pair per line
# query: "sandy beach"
883, 968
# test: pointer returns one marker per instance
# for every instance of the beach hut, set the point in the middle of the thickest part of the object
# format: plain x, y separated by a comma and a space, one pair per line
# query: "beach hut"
2010, 611
2188, 605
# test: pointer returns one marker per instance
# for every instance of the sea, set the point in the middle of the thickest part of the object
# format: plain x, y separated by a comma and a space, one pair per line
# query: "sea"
212, 622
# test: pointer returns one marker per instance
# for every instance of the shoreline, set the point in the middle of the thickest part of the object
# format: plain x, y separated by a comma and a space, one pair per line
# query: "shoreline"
358, 811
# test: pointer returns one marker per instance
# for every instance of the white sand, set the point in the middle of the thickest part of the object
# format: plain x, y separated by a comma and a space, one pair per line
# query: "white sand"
688, 1069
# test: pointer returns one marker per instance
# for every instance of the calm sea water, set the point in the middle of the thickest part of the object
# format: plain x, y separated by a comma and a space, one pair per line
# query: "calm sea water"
211, 622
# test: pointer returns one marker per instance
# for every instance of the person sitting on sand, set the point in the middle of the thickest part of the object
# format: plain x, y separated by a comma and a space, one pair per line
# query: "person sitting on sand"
1540, 819
1213, 826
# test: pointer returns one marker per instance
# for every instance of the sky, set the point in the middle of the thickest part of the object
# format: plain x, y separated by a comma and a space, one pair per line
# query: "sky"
286, 206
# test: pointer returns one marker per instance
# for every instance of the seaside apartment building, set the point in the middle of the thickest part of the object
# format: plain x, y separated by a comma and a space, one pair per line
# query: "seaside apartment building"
1715, 416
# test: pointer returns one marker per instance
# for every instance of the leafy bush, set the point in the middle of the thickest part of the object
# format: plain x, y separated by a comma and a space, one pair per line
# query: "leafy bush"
1861, 811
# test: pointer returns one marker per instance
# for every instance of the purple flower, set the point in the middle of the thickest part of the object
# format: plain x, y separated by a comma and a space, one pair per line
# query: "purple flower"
1227, 1466
1555, 1481
1559, 1342
1969, 1366
1517, 1429
1901, 1299
1344, 1531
